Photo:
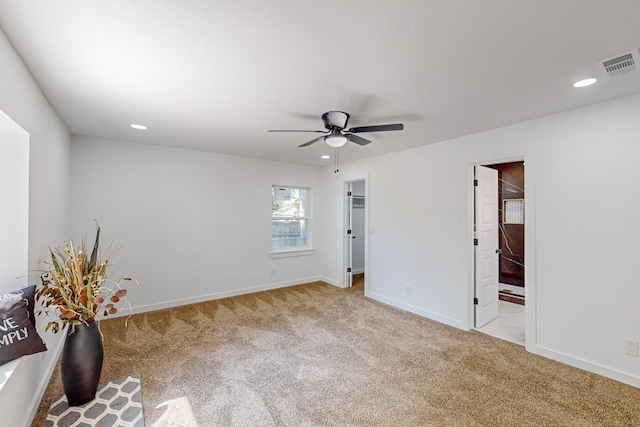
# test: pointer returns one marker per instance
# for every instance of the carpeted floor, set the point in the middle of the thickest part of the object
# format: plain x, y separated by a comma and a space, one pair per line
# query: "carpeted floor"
317, 355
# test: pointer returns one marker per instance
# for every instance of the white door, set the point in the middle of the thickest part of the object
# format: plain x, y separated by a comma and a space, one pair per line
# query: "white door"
350, 235
486, 250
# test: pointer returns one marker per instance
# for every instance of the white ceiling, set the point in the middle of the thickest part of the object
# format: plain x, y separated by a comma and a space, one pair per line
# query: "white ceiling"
215, 75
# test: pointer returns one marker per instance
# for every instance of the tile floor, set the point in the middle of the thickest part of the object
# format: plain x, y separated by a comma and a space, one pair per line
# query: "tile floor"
509, 325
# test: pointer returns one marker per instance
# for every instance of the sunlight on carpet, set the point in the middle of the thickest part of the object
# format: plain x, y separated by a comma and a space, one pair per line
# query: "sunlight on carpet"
176, 412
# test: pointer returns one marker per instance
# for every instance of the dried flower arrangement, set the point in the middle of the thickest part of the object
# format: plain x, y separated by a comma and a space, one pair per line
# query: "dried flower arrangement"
77, 286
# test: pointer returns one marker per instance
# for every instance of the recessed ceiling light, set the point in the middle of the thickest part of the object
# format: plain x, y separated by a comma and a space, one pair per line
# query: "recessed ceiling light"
585, 82
326, 157
141, 127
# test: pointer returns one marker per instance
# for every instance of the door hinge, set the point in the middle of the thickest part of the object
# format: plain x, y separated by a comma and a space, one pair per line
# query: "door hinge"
475, 301
349, 193
475, 242
348, 231
475, 182
349, 270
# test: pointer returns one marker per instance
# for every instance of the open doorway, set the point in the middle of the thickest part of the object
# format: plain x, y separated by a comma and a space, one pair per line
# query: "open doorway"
355, 233
500, 285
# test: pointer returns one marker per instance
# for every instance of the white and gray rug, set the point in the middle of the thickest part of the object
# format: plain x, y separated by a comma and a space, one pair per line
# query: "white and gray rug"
117, 403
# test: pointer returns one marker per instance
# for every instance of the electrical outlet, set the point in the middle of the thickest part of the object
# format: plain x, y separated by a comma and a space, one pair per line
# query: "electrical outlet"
273, 271
631, 347
408, 290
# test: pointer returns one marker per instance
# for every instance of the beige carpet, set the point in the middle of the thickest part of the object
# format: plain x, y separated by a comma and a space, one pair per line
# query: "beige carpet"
317, 355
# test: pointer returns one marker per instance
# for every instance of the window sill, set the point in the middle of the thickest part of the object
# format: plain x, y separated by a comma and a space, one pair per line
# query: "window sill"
286, 253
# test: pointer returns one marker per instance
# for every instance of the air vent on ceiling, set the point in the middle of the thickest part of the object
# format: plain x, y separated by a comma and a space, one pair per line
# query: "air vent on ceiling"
620, 64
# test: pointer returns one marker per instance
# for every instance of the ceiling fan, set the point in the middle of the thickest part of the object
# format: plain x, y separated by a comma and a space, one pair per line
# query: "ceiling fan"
336, 135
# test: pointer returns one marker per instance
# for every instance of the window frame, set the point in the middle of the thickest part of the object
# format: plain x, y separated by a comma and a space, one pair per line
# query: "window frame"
307, 217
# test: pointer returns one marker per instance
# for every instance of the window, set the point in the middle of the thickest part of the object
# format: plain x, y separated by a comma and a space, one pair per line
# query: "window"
289, 218
513, 211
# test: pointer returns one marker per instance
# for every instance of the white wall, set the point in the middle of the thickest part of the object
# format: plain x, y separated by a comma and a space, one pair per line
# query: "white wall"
583, 182
14, 205
194, 225
22, 101
14, 216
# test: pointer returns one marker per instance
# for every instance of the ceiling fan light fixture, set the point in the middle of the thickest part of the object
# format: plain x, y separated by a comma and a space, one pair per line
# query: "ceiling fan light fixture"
335, 141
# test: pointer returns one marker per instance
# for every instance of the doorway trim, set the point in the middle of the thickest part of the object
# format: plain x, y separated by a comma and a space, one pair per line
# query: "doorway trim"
529, 244
345, 221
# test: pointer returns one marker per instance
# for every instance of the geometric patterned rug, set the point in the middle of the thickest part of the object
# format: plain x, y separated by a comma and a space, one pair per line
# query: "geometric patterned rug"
117, 403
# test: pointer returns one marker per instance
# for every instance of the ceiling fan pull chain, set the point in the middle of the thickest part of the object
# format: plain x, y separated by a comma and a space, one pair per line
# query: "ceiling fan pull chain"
336, 157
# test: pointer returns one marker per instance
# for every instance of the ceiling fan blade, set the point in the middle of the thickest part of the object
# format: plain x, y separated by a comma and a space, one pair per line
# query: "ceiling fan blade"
306, 116
362, 119
379, 128
311, 142
289, 130
357, 139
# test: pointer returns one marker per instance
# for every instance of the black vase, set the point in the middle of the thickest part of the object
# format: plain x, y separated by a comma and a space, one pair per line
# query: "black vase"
81, 364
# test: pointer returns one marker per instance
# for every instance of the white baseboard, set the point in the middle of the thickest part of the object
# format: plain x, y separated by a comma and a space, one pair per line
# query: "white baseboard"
332, 282
576, 362
586, 365
456, 323
217, 295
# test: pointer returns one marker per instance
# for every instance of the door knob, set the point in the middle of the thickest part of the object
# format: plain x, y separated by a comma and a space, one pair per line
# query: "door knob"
499, 251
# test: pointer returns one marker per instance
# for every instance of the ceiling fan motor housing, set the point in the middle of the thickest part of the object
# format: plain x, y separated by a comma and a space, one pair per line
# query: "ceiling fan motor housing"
335, 120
